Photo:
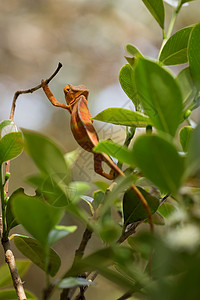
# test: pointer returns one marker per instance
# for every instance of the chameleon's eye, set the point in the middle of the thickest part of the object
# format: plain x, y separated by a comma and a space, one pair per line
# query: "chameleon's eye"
67, 90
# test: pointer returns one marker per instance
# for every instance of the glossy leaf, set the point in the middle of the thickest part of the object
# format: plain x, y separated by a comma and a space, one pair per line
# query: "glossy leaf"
37, 217
186, 84
156, 8
122, 116
71, 282
159, 94
133, 210
115, 150
35, 252
132, 50
193, 157
174, 51
159, 161
11, 145
59, 232
184, 137
127, 83
46, 155
7, 126
5, 276
11, 295
194, 54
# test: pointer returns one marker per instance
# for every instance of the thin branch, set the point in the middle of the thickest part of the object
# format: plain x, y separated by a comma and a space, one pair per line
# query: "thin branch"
10, 260
37, 87
84, 288
125, 296
85, 239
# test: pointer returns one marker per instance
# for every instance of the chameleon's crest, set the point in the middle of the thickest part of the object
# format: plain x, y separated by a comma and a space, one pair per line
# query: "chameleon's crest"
73, 92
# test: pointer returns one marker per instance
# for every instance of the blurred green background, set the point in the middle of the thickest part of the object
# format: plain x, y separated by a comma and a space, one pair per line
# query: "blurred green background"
88, 38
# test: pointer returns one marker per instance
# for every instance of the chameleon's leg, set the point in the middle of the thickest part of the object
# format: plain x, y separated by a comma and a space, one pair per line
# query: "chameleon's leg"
99, 170
51, 97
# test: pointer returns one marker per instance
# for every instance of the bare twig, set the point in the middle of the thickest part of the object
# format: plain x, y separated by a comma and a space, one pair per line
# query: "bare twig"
10, 260
85, 239
37, 87
9, 257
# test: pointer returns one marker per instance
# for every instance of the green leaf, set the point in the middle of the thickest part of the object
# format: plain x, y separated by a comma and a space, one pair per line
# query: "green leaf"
5, 276
11, 295
194, 54
10, 218
159, 161
166, 209
133, 210
71, 282
37, 217
109, 231
11, 145
159, 94
193, 157
174, 51
123, 116
186, 85
101, 185
98, 198
46, 155
127, 83
156, 8
78, 189
59, 232
132, 50
35, 252
115, 150
70, 158
55, 193
7, 126
157, 219
184, 137
123, 183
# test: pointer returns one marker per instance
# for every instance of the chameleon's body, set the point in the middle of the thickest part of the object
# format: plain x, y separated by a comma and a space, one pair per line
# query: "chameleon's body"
82, 127
86, 135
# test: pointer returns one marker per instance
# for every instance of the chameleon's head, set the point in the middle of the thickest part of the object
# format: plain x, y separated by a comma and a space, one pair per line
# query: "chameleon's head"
73, 92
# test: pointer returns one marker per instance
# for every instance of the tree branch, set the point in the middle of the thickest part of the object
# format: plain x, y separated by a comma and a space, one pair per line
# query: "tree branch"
37, 87
10, 260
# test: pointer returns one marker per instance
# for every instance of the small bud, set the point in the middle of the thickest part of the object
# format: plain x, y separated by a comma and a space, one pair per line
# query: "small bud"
7, 176
187, 113
6, 200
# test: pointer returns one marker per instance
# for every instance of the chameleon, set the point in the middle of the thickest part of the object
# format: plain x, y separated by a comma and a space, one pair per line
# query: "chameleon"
85, 134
